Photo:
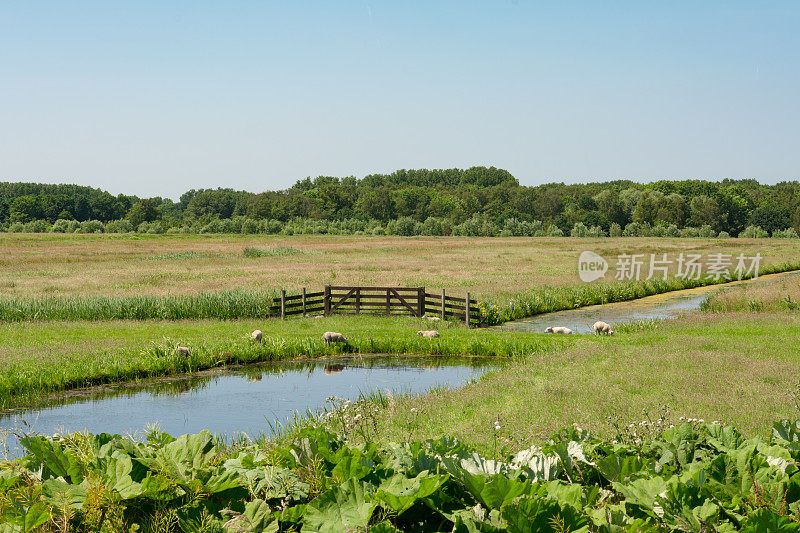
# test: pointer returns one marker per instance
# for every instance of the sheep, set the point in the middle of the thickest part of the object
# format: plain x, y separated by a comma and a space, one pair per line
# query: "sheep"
601, 327
256, 335
332, 336
433, 318
432, 334
558, 329
183, 350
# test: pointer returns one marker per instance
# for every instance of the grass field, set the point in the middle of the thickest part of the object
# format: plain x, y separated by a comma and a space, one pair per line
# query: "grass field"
735, 362
551, 381
492, 268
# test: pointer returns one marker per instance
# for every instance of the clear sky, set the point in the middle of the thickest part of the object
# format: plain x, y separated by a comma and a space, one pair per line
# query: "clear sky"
157, 97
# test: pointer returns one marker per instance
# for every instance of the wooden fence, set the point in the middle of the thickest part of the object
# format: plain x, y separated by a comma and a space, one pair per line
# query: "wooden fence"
409, 301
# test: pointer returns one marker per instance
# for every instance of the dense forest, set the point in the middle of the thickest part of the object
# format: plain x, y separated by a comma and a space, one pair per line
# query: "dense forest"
476, 201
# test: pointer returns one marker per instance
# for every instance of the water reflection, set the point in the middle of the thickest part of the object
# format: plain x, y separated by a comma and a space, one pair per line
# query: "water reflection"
243, 399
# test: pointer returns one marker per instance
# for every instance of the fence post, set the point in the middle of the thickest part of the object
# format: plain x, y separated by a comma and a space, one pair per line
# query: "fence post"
467, 309
283, 304
421, 302
442, 304
304, 301
358, 301
388, 301
326, 300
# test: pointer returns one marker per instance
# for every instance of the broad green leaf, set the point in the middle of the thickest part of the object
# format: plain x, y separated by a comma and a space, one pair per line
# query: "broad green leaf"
352, 466
59, 493
543, 515
400, 492
616, 468
346, 507
642, 492
765, 521
59, 462
786, 430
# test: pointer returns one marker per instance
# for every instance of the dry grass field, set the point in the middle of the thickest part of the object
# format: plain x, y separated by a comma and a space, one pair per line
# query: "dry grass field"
117, 265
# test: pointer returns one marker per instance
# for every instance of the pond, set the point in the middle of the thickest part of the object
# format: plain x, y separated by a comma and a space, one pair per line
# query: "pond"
247, 399
657, 307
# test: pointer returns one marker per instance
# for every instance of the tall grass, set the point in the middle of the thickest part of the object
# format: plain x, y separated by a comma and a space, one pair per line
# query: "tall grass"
550, 299
273, 251
235, 304
225, 305
23, 383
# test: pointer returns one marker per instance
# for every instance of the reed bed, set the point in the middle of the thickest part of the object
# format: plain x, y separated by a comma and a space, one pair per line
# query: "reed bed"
239, 304
549, 299
226, 305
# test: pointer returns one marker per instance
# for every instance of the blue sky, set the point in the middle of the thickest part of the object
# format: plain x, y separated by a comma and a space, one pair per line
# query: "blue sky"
157, 97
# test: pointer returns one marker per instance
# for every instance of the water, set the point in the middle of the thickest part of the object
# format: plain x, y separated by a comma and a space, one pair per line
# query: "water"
239, 400
657, 307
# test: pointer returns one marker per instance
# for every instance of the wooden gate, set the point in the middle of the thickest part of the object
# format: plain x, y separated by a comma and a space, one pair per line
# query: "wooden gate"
409, 301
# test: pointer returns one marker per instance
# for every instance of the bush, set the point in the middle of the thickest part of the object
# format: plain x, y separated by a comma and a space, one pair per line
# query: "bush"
153, 228
788, 233
60, 226
554, 231
435, 226
615, 230
706, 232
690, 232
753, 232
724, 235
119, 226
597, 231
672, 231
16, 227
404, 226
250, 227
579, 230
636, 229
92, 226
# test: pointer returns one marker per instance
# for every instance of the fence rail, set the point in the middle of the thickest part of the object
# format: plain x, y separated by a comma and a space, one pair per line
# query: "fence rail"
407, 301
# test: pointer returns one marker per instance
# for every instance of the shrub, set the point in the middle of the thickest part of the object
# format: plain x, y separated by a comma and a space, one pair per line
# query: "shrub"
615, 230
60, 226
706, 232
672, 231
597, 231
119, 226
404, 226
788, 233
250, 227
16, 227
153, 228
435, 226
579, 230
724, 235
753, 232
554, 231
92, 226
690, 232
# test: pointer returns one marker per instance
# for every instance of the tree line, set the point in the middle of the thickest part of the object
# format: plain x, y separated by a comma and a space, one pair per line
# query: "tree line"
475, 201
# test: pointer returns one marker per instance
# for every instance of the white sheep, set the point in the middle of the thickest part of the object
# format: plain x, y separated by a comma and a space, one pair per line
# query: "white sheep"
558, 329
256, 335
332, 336
433, 318
601, 327
183, 350
432, 334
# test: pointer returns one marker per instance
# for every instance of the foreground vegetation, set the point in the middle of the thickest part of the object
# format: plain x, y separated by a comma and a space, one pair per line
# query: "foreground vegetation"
692, 477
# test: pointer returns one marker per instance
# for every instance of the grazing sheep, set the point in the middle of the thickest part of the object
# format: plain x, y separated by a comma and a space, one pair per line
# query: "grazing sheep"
601, 327
256, 335
183, 350
332, 336
558, 329
433, 334
433, 318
